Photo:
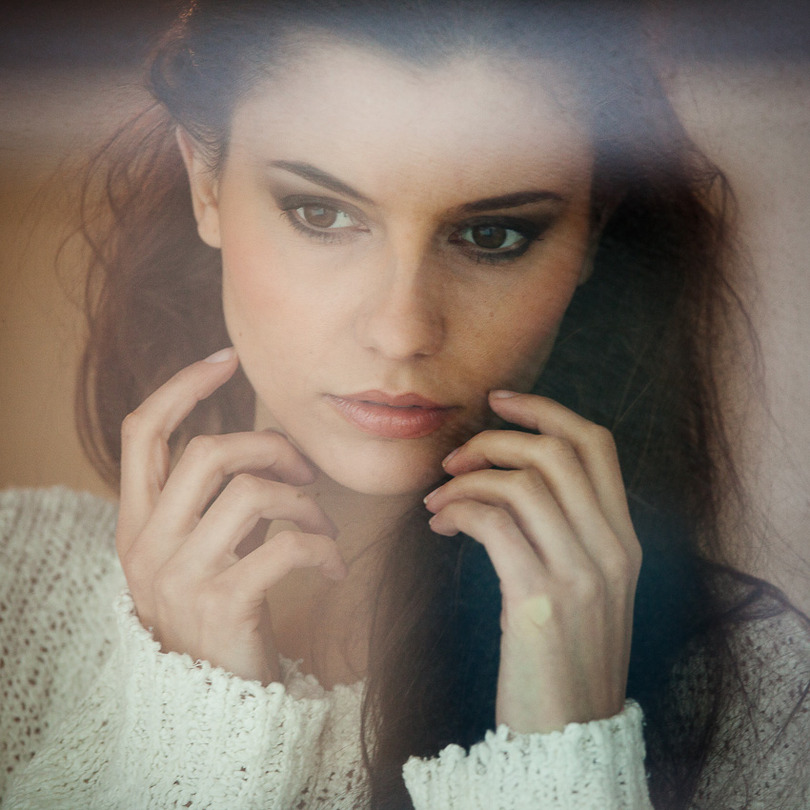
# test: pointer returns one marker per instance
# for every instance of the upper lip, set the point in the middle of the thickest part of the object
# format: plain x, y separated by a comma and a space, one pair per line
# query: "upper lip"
408, 400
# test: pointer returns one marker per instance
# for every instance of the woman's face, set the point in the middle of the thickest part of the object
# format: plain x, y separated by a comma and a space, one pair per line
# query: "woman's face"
396, 241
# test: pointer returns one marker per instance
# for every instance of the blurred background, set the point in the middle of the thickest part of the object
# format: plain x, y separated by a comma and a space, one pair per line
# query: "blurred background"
738, 73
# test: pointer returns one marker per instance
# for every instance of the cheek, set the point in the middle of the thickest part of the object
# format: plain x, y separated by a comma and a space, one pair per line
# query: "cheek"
261, 314
258, 298
514, 339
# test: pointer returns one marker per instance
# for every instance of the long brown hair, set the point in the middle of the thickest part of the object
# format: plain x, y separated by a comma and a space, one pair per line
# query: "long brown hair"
637, 350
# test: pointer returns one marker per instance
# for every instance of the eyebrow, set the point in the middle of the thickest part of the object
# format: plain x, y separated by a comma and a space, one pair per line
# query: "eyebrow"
318, 176
509, 201
321, 178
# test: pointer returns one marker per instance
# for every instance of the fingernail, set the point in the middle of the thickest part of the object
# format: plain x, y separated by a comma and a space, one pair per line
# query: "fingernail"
435, 527
450, 455
502, 394
221, 356
431, 494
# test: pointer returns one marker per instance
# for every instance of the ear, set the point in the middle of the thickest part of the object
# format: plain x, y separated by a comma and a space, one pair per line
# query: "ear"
204, 190
586, 269
600, 217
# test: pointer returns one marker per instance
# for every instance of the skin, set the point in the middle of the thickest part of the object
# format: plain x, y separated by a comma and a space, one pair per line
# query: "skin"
388, 287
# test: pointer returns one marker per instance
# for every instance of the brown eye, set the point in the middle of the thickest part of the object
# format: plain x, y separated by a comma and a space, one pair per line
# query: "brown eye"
494, 237
318, 215
490, 237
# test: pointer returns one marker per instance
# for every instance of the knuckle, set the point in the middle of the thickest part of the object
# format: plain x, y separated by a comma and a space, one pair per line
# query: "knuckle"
201, 448
558, 450
134, 570
137, 567
529, 481
588, 587
629, 562
496, 519
274, 439
618, 568
636, 556
623, 562
169, 582
291, 542
600, 437
132, 426
244, 486
211, 601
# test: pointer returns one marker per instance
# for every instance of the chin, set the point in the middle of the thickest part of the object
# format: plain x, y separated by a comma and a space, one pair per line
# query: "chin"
385, 473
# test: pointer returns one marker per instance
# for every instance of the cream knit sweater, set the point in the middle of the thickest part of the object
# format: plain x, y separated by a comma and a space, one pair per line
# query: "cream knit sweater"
93, 715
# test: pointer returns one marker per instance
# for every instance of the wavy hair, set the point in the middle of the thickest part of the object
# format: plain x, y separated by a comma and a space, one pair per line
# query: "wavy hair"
637, 350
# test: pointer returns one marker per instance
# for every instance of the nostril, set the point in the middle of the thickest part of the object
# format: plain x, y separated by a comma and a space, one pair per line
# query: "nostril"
403, 329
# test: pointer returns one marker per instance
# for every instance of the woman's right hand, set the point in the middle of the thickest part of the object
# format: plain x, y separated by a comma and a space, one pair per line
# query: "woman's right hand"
177, 537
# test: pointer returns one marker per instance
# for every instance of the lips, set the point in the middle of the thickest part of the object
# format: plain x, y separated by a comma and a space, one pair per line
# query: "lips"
392, 416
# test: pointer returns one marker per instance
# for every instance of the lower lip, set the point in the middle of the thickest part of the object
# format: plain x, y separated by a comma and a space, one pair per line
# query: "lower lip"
390, 422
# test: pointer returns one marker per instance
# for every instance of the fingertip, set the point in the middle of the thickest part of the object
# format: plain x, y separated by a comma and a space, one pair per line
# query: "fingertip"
437, 527
503, 399
221, 356
449, 457
501, 394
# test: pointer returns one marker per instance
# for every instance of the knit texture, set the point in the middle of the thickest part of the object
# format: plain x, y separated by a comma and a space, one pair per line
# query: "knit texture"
93, 715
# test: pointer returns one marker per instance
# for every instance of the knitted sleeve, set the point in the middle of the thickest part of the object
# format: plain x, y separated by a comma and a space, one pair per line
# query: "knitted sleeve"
93, 715
587, 766
160, 730
757, 756
58, 576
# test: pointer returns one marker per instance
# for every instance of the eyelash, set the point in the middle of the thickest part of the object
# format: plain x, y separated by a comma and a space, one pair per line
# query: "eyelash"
290, 206
529, 231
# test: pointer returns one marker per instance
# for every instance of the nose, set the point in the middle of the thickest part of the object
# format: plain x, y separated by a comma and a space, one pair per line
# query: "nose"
401, 317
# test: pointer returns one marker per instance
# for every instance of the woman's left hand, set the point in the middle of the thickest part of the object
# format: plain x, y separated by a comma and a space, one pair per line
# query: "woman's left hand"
551, 510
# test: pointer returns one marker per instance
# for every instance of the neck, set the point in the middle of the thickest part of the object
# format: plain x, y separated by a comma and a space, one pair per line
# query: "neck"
362, 520
326, 624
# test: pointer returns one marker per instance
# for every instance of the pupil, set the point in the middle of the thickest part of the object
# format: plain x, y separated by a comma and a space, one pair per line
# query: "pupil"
319, 216
489, 236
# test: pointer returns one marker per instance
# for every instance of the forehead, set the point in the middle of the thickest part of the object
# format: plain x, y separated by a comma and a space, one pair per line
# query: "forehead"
471, 114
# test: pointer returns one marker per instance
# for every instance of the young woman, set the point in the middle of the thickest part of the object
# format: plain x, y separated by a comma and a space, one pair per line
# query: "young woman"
386, 548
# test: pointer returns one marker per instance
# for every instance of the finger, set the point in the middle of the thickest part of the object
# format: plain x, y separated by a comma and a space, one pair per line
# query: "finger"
280, 555
236, 511
593, 444
535, 510
518, 567
543, 465
145, 434
208, 461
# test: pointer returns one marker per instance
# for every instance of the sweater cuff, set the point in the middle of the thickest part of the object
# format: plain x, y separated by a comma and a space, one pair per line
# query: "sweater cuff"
598, 765
206, 734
